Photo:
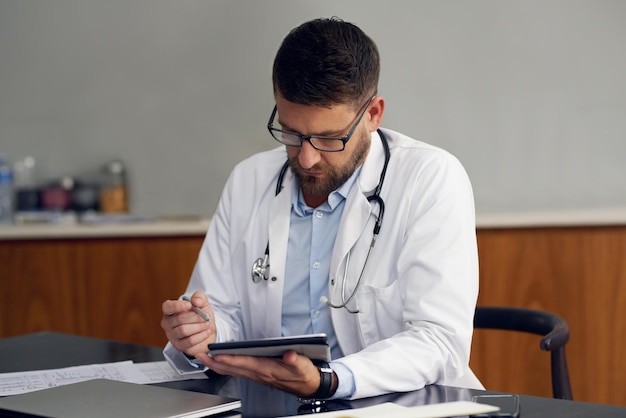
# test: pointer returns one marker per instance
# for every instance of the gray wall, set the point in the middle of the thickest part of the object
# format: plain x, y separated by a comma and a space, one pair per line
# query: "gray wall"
530, 95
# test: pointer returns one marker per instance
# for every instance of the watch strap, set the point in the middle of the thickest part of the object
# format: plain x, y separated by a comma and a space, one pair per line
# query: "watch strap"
325, 389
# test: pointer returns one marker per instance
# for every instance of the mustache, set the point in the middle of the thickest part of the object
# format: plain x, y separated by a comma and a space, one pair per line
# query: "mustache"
297, 169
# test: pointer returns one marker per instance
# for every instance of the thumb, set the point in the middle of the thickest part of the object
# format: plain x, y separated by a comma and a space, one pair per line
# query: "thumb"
199, 299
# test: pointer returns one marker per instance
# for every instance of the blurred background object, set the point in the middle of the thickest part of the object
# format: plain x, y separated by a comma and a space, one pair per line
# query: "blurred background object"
113, 195
6, 191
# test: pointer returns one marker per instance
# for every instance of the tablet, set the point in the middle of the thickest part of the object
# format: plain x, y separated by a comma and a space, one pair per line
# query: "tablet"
314, 346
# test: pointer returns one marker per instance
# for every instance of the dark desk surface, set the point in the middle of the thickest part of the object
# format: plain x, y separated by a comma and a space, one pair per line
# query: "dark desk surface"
49, 350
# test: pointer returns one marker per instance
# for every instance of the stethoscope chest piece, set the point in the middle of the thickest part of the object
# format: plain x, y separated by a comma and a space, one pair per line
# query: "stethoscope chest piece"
260, 269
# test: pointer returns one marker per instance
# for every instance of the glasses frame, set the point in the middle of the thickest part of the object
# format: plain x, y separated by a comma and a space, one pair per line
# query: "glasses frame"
344, 139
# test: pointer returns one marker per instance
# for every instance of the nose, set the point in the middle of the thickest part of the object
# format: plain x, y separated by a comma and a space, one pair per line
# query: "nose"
308, 156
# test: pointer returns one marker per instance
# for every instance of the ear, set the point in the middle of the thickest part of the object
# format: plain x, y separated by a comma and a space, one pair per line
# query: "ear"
375, 113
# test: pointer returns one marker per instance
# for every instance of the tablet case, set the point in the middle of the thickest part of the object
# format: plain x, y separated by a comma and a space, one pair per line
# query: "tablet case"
314, 346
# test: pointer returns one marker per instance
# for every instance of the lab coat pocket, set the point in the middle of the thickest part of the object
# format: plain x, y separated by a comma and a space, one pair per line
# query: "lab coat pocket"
381, 312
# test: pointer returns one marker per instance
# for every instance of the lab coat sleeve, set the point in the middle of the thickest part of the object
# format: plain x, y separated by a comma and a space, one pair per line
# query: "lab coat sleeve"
436, 286
213, 271
180, 362
213, 262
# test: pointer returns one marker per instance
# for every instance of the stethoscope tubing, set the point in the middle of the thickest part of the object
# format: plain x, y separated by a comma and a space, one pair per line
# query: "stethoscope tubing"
260, 268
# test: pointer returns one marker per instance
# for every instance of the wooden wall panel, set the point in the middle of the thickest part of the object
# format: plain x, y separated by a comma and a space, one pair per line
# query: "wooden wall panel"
38, 292
108, 288
578, 273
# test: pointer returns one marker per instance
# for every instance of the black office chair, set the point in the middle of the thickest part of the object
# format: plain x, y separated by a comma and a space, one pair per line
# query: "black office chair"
555, 333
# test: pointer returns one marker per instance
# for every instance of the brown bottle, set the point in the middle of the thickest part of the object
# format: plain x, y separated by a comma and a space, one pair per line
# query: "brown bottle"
113, 194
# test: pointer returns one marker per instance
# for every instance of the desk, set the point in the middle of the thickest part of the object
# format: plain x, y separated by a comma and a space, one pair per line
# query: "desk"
49, 350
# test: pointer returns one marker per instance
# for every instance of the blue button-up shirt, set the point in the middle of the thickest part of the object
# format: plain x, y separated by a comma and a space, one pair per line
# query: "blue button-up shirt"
312, 234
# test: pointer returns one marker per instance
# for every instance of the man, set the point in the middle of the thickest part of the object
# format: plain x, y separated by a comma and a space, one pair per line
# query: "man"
397, 304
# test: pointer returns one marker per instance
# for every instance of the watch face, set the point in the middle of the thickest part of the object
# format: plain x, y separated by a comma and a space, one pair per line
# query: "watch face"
311, 402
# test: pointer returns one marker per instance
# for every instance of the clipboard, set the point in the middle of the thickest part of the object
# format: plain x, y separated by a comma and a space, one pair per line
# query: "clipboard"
314, 346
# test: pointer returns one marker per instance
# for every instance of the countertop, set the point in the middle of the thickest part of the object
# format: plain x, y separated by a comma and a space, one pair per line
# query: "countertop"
553, 218
197, 226
158, 227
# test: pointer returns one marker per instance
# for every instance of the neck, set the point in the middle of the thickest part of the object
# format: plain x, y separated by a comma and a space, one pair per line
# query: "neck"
314, 200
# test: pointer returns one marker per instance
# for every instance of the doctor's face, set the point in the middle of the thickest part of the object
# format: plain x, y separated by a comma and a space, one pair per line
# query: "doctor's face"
318, 172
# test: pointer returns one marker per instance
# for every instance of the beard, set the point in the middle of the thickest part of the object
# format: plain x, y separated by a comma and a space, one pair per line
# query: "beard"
334, 176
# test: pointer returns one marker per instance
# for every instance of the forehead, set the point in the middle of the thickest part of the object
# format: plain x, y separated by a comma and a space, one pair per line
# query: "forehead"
313, 119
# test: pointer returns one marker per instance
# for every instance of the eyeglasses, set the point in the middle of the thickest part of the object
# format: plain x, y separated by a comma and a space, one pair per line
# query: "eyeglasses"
319, 142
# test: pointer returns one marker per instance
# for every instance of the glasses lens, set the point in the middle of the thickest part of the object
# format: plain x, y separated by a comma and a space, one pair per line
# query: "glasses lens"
286, 137
327, 144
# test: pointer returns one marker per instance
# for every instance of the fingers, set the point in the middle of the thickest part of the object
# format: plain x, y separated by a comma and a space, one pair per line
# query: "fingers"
171, 307
191, 338
177, 313
293, 373
291, 357
200, 300
221, 365
185, 328
200, 303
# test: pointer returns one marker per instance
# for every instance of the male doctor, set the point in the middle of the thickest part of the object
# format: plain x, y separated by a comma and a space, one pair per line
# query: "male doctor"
396, 300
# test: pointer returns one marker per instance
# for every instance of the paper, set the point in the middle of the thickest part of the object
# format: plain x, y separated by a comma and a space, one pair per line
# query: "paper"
438, 410
127, 371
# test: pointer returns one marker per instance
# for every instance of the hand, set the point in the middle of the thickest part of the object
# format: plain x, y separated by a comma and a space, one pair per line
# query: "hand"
184, 328
292, 373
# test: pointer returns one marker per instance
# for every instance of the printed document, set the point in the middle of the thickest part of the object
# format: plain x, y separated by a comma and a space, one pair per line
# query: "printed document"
126, 371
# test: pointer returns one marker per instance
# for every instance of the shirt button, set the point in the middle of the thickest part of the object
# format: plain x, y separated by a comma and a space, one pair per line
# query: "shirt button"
316, 314
316, 265
319, 215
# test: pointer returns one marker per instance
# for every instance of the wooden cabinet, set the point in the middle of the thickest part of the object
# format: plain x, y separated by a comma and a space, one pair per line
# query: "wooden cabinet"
112, 287
578, 273
108, 288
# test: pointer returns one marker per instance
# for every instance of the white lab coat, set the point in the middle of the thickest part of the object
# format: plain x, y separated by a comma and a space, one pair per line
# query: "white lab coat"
418, 291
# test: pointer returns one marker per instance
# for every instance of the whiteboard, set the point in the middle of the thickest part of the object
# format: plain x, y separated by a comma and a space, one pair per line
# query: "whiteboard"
529, 95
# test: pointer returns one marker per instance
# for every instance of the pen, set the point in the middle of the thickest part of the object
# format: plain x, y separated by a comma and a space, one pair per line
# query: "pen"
199, 311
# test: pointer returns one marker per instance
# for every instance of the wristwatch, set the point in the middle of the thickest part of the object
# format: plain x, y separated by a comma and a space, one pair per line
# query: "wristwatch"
325, 389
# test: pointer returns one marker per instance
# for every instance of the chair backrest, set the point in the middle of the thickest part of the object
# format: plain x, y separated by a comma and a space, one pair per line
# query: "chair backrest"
553, 328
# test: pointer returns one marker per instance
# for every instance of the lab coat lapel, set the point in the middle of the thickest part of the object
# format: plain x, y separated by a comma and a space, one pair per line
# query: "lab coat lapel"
279, 220
356, 215
358, 209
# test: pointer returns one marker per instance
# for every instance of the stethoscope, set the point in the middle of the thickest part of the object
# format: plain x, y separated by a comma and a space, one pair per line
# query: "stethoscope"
260, 268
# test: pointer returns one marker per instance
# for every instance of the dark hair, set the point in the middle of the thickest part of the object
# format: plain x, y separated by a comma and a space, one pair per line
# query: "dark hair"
325, 62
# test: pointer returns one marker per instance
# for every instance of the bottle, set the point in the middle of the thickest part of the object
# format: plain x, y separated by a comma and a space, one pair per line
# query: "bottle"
57, 195
6, 191
27, 192
113, 194
85, 196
